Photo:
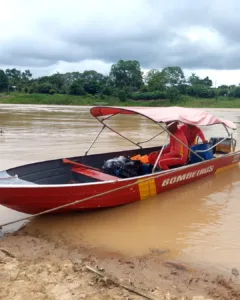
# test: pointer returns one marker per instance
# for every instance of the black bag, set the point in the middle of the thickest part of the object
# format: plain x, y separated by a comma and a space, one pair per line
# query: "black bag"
123, 167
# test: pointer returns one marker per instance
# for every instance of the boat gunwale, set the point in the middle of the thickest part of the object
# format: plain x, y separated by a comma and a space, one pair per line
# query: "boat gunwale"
135, 178
151, 175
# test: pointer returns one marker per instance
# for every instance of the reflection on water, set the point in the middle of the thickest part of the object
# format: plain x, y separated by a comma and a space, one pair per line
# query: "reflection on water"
200, 221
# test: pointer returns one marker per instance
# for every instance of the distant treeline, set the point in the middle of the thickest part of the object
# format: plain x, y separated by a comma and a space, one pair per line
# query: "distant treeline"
125, 81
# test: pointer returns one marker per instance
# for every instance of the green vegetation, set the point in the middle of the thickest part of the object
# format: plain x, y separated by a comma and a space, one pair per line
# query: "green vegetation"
125, 85
58, 99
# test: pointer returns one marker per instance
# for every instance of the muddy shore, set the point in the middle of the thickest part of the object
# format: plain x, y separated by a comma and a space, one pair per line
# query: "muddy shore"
33, 267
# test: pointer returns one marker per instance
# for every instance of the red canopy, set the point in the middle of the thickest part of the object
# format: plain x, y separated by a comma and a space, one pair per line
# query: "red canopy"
191, 116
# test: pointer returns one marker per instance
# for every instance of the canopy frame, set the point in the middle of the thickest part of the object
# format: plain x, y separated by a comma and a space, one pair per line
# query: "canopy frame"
104, 125
171, 114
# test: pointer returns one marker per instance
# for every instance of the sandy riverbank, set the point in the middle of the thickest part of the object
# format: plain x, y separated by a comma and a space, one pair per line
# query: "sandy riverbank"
32, 267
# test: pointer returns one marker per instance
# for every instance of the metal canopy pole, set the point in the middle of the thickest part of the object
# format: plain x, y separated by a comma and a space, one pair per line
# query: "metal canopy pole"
95, 139
150, 138
105, 125
159, 155
121, 135
98, 133
231, 135
226, 129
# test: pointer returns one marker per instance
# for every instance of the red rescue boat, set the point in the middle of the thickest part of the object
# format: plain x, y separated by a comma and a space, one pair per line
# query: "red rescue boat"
80, 183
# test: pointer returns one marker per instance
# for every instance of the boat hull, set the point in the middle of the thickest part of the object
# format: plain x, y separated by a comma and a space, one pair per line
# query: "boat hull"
33, 199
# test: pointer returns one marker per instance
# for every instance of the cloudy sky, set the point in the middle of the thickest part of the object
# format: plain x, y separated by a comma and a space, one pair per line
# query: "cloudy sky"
47, 36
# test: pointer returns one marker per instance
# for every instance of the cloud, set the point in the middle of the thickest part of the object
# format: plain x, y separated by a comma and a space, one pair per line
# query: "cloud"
79, 66
46, 36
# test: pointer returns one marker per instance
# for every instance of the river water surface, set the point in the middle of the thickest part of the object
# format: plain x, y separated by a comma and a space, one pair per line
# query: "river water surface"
199, 222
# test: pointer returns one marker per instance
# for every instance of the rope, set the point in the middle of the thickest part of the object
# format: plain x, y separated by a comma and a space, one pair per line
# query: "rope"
81, 201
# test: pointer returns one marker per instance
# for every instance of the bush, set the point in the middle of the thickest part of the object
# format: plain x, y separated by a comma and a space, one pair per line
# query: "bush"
62, 90
76, 88
107, 91
3, 81
122, 96
44, 88
148, 96
201, 91
52, 92
144, 89
173, 94
235, 92
222, 91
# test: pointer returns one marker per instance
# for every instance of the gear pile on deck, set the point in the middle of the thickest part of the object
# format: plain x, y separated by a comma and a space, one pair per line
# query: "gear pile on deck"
125, 167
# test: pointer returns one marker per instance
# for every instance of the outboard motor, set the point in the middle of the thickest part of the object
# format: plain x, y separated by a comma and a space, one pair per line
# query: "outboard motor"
226, 146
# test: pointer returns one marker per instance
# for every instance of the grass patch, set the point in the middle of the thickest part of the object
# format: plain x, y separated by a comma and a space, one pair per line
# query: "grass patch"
59, 99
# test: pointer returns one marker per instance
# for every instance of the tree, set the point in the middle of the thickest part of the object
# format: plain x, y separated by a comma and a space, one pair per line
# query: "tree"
57, 80
93, 82
26, 76
200, 87
155, 80
125, 81
44, 79
200, 90
62, 82
69, 78
52, 91
223, 90
206, 81
173, 94
174, 76
126, 74
17, 78
122, 96
14, 77
193, 80
76, 88
235, 92
44, 88
3, 81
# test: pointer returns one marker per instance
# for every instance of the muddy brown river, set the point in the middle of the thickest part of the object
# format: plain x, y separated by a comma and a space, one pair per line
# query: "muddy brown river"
199, 222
